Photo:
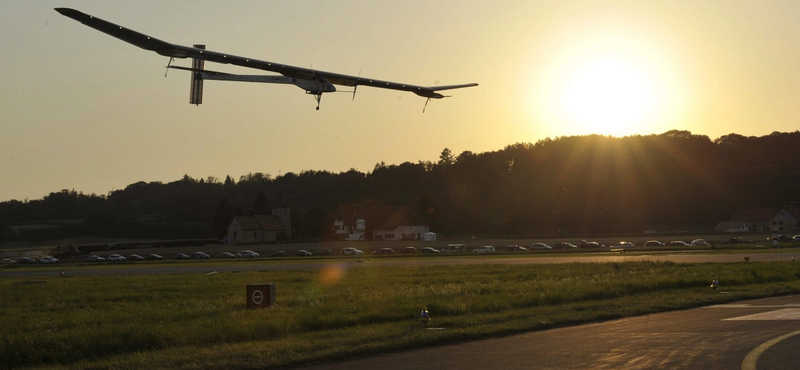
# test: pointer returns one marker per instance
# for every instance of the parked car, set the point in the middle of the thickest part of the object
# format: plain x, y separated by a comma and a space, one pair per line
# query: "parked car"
585, 244
539, 246
454, 248
796, 238
277, 254
247, 254
384, 251
181, 256
116, 258
49, 259
484, 249
153, 257
679, 243
303, 253
322, 252
409, 250
26, 260
428, 250
702, 242
515, 248
565, 246
8, 261
200, 255
653, 243
227, 255
352, 251
95, 258
624, 244
135, 257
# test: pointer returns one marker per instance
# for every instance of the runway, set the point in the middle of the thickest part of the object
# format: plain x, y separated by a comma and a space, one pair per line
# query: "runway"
750, 335
206, 266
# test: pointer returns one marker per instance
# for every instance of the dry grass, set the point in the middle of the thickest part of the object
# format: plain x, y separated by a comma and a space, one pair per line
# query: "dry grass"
201, 321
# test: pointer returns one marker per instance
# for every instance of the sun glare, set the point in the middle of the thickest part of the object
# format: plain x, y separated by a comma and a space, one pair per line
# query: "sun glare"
607, 97
600, 78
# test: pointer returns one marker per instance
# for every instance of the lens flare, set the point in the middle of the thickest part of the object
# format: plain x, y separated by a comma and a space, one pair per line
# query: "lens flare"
331, 274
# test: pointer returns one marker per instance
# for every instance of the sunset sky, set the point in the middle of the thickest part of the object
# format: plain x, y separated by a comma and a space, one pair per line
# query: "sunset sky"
85, 111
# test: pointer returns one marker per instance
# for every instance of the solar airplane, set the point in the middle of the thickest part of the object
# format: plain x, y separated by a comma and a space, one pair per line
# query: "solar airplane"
312, 81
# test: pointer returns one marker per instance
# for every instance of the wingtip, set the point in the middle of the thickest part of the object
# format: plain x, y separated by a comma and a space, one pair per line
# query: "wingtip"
68, 12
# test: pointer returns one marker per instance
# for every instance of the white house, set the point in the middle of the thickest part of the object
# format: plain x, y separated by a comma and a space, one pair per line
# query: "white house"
775, 220
783, 221
380, 223
347, 232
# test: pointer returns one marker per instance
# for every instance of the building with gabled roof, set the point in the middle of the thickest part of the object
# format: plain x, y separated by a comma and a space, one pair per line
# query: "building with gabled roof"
764, 219
260, 229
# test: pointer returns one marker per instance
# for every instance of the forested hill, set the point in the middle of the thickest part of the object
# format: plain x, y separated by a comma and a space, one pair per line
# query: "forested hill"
671, 181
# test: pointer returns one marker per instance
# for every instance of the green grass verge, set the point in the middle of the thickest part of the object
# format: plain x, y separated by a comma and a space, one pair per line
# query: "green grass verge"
201, 321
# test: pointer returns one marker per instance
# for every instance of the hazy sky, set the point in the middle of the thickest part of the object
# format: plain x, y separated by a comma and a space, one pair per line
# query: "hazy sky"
82, 110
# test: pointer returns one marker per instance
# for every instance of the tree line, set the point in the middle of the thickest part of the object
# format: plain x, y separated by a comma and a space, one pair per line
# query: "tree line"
578, 184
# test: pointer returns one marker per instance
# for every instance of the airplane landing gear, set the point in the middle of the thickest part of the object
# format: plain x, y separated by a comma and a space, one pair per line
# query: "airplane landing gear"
318, 97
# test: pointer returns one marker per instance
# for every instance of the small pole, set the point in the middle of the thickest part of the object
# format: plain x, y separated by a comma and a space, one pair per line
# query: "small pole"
424, 316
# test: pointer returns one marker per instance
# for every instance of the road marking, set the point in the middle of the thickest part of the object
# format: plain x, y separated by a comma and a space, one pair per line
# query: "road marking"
744, 305
751, 359
784, 314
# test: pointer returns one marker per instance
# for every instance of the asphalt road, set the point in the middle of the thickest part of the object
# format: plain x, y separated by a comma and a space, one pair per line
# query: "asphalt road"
202, 267
750, 335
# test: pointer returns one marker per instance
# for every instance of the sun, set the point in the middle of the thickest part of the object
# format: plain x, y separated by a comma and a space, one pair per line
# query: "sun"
607, 96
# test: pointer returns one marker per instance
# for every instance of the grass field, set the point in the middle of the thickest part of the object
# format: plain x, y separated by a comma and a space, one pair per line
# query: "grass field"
201, 321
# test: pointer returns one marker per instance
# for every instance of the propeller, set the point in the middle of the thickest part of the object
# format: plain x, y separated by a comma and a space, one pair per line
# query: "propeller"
168, 64
356, 85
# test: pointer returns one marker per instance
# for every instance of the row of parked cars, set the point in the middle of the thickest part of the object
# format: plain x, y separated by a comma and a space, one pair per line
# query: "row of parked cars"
785, 238
299, 253
459, 248
622, 244
29, 260
462, 248
202, 255
450, 248
179, 256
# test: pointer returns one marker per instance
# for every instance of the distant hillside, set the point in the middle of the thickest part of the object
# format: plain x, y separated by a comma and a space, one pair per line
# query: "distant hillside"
672, 181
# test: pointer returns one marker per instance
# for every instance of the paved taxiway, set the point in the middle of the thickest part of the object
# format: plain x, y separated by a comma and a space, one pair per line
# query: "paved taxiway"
201, 267
749, 335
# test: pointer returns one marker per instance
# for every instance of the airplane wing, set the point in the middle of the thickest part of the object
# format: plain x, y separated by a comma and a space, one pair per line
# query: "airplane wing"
178, 51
